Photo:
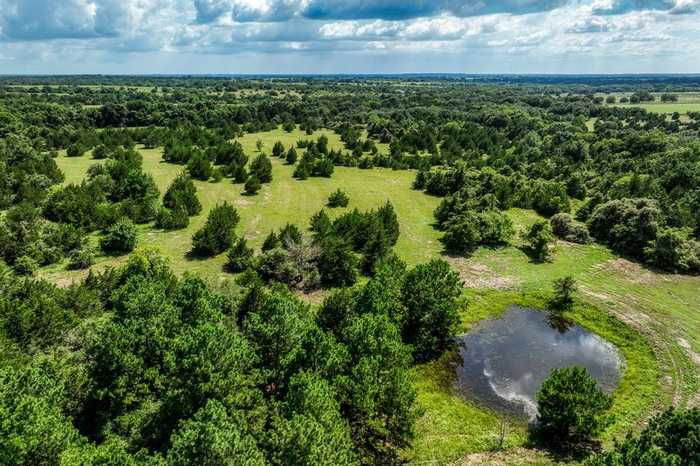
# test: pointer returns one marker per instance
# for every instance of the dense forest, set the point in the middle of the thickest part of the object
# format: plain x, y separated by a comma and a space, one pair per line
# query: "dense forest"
135, 364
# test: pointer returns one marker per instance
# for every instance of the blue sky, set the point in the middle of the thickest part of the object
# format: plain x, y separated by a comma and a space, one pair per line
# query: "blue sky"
349, 36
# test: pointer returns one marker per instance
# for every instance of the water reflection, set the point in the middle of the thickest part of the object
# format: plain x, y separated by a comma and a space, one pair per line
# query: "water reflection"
504, 361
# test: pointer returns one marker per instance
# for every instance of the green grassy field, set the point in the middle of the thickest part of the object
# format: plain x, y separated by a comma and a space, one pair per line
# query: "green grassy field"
652, 317
284, 200
687, 102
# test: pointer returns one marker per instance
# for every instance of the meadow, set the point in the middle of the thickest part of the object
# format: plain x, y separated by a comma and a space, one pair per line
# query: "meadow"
651, 316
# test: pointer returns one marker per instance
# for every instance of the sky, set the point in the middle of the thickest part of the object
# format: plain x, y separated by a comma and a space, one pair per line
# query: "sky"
349, 36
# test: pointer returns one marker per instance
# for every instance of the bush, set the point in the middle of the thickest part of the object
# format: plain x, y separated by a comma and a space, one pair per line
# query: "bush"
278, 149
470, 229
291, 156
172, 219
338, 263
25, 266
261, 168
674, 250
670, 438
218, 234
566, 228
200, 167
252, 186
80, 259
540, 240
571, 407
240, 256
75, 150
120, 238
429, 294
338, 198
182, 192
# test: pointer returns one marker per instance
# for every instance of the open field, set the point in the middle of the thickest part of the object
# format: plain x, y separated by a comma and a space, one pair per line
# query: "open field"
660, 340
687, 102
285, 200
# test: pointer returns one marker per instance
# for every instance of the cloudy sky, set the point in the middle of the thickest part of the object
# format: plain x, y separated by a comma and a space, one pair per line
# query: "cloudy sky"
349, 36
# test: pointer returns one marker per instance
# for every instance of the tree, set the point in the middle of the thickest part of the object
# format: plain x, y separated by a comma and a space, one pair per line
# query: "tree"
278, 149
564, 289
261, 167
571, 407
670, 438
252, 186
218, 234
429, 293
291, 156
214, 438
200, 167
240, 256
338, 198
540, 240
81, 258
182, 192
120, 238
337, 263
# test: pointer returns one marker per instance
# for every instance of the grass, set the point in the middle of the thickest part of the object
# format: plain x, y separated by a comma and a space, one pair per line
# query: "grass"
452, 428
284, 200
687, 102
652, 317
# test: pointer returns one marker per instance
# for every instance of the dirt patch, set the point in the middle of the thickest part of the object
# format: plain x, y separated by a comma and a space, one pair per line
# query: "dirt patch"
242, 202
632, 271
476, 275
516, 456
313, 297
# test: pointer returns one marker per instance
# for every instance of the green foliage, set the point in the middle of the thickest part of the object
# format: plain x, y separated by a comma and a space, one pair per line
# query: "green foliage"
278, 149
540, 240
120, 238
337, 262
571, 408
338, 198
25, 266
564, 289
566, 228
218, 233
182, 193
429, 293
261, 168
239, 257
670, 438
175, 219
466, 232
252, 185
81, 258
199, 166
291, 157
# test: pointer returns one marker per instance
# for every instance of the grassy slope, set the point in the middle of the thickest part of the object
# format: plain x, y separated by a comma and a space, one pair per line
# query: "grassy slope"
664, 308
284, 200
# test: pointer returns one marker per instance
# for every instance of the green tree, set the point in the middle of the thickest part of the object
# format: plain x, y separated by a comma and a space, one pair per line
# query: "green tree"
670, 438
291, 156
338, 198
240, 256
278, 149
214, 438
571, 407
430, 293
182, 192
540, 240
120, 238
261, 167
564, 289
252, 185
200, 167
218, 233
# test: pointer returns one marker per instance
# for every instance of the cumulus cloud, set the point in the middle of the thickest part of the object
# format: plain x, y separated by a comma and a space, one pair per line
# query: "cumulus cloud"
617, 7
534, 31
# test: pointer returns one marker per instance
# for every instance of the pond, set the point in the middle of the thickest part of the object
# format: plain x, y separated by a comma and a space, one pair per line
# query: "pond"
504, 361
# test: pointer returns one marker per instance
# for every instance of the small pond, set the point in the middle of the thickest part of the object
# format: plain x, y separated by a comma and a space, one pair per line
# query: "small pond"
504, 361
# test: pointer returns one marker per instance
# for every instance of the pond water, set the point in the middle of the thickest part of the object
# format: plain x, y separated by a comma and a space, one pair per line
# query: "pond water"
504, 361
